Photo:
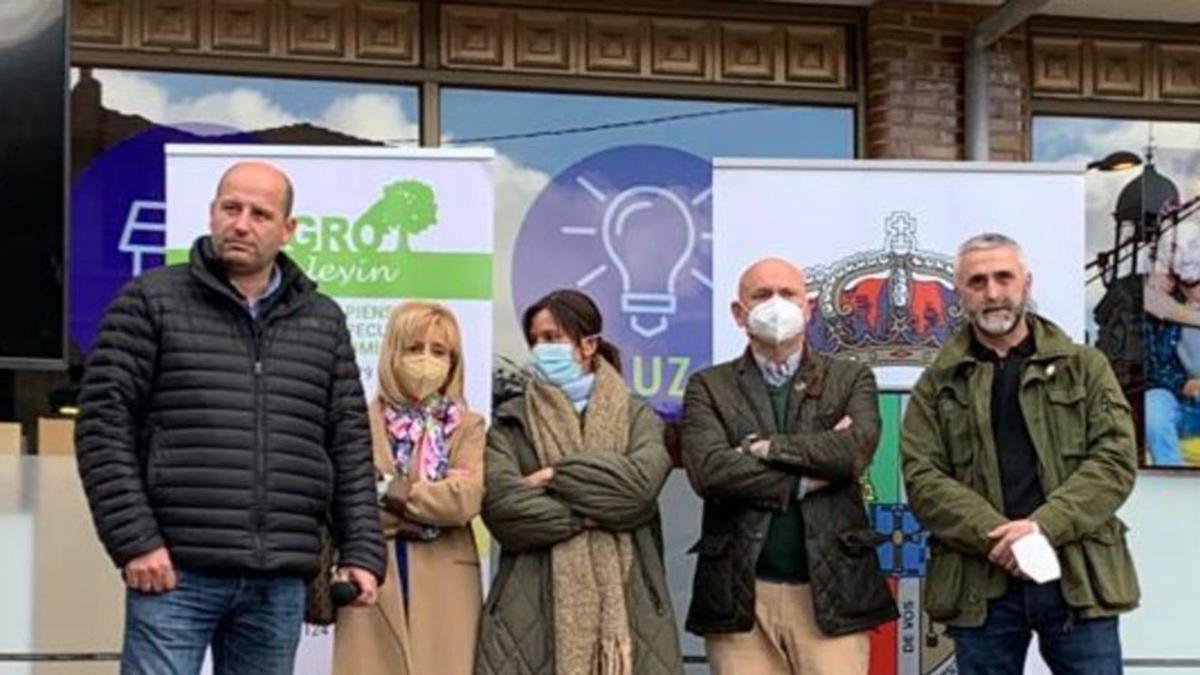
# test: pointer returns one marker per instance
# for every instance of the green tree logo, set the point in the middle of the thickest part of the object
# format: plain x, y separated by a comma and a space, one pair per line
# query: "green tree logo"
407, 206
371, 257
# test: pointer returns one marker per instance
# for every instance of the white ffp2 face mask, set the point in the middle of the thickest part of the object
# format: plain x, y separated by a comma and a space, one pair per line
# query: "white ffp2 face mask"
776, 320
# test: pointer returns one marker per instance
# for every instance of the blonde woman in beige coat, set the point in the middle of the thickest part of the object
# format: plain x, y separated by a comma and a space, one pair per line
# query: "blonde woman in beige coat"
429, 455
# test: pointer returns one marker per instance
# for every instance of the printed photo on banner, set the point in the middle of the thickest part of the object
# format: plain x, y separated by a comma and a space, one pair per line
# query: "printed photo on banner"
1143, 224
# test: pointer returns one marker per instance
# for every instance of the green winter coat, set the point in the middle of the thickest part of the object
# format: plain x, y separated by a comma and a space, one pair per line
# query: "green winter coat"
616, 492
1082, 431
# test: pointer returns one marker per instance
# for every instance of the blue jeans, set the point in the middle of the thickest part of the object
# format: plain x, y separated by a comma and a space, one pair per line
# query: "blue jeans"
252, 622
1169, 418
1069, 646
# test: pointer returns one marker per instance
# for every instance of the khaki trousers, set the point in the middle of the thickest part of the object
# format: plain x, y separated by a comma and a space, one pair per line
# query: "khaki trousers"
785, 640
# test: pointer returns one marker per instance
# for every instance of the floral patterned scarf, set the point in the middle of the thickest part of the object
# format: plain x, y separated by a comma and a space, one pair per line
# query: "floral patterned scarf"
418, 436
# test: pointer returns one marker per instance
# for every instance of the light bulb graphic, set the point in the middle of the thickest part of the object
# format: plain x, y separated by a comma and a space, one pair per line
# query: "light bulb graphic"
649, 235
631, 227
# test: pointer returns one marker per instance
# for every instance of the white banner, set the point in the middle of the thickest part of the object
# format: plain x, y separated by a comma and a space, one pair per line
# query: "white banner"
881, 236
375, 227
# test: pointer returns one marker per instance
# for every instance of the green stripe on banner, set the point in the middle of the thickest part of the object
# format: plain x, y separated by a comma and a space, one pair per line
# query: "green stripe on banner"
177, 255
884, 474
435, 276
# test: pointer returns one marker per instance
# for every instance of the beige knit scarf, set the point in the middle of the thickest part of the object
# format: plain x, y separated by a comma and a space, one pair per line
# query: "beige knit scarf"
591, 622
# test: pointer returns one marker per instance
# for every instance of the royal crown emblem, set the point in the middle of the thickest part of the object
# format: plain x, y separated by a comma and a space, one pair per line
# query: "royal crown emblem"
889, 307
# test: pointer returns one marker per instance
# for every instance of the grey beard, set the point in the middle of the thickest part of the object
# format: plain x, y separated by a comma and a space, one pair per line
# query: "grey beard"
1018, 315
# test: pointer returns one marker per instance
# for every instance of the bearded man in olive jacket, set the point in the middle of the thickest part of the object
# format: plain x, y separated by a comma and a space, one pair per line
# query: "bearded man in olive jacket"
1016, 431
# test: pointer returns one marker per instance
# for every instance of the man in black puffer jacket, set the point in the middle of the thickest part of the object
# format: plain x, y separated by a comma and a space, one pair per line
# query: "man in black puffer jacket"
221, 417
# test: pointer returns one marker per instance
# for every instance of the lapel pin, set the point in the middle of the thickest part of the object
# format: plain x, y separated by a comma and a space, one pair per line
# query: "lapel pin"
1050, 370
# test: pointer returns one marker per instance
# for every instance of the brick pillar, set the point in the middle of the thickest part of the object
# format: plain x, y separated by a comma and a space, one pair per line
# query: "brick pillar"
1008, 94
915, 70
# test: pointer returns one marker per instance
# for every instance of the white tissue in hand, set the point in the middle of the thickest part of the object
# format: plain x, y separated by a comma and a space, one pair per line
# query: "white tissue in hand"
1036, 558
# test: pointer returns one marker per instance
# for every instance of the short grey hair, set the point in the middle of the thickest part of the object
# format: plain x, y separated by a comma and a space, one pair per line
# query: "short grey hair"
986, 242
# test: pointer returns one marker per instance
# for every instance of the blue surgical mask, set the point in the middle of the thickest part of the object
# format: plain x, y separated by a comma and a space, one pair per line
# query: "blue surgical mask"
555, 362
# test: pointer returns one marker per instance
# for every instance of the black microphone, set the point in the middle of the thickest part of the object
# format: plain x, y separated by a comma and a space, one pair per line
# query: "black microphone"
343, 592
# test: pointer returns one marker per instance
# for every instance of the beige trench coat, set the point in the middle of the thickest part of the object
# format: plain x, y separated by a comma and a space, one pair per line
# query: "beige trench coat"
436, 636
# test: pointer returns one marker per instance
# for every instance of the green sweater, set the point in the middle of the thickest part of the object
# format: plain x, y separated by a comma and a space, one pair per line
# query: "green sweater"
783, 557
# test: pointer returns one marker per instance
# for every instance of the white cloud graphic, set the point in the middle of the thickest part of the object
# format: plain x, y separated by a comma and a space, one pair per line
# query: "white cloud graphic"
242, 108
132, 94
516, 188
376, 117
372, 116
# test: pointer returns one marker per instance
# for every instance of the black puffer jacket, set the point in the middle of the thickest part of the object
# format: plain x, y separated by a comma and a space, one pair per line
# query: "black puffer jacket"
223, 436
